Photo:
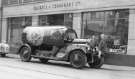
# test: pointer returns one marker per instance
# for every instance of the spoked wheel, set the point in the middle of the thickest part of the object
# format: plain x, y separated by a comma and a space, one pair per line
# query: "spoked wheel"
43, 60
25, 54
78, 59
98, 62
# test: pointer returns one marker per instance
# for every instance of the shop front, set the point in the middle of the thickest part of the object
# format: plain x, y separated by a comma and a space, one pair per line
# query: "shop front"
114, 20
113, 23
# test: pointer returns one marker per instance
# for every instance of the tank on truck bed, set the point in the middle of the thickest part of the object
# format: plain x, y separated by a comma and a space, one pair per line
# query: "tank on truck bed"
47, 35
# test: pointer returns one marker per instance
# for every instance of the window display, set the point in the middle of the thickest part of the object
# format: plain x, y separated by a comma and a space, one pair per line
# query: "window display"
113, 23
57, 19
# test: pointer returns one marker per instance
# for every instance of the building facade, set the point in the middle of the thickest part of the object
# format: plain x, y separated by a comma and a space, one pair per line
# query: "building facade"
115, 18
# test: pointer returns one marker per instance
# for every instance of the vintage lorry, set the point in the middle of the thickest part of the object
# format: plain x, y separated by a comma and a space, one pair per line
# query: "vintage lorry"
58, 43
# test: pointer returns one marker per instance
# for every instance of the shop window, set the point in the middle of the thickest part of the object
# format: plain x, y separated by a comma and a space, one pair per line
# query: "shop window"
97, 16
43, 20
68, 20
38, 0
57, 19
113, 23
27, 1
10, 2
93, 23
28, 21
14, 1
5, 2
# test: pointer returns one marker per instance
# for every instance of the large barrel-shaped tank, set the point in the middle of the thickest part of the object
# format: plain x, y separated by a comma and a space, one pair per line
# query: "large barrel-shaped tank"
47, 35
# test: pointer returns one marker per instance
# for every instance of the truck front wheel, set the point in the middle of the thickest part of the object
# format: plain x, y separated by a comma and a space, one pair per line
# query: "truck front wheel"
98, 62
78, 59
25, 54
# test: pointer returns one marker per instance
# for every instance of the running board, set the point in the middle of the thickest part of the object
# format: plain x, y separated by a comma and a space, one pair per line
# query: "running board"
50, 58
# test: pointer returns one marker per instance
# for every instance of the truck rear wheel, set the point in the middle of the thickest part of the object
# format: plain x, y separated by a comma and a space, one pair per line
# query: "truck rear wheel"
78, 59
98, 62
25, 54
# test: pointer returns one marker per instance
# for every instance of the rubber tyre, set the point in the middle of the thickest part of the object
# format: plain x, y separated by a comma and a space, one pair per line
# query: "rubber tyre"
78, 59
3, 55
43, 60
25, 54
97, 63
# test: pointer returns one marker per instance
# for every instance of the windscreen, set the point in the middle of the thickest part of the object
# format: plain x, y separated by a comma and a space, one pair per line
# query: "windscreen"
70, 35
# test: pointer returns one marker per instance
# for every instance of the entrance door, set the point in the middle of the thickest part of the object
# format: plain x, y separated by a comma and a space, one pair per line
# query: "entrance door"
16, 26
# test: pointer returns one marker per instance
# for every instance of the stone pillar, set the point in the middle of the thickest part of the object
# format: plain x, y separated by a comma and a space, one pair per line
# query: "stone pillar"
131, 34
1, 14
34, 20
77, 23
0, 23
4, 30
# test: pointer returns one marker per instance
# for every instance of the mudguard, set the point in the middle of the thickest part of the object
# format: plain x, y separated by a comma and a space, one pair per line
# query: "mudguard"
27, 45
73, 47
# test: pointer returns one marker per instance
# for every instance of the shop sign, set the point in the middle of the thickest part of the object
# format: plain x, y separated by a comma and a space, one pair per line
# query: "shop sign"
57, 5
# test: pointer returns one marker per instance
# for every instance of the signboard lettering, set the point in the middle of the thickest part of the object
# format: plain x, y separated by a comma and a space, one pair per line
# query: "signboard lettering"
57, 5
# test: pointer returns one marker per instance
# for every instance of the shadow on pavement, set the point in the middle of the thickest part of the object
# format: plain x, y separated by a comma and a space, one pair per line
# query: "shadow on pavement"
58, 64
118, 68
8, 57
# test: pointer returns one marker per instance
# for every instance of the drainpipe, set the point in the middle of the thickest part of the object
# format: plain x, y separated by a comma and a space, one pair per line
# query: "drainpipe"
1, 16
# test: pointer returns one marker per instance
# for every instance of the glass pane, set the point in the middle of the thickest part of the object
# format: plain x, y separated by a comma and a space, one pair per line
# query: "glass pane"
57, 19
43, 20
27, 1
28, 21
5, 2
13, 2
93, 23
113, 23
68, 20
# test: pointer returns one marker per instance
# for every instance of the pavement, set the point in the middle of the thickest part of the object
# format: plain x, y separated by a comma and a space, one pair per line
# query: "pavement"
115, 67
11, 67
